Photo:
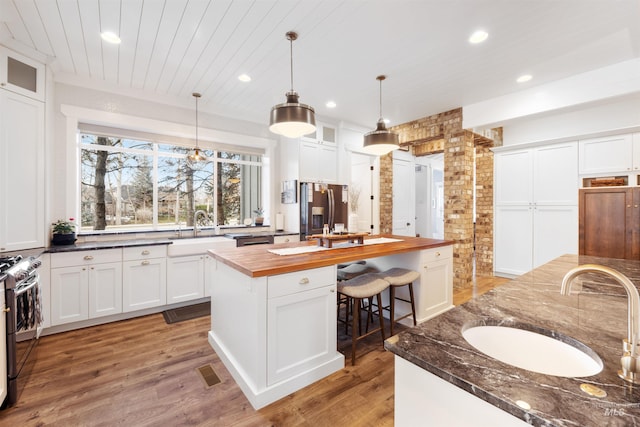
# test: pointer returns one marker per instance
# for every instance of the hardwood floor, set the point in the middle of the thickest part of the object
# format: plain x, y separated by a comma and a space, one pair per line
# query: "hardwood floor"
143, 372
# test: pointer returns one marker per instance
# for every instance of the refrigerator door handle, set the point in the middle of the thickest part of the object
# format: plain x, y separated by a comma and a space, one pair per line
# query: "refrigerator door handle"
331, 207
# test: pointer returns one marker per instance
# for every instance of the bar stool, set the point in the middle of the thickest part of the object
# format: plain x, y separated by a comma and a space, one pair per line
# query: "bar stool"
346, 272
398, 277
362, 287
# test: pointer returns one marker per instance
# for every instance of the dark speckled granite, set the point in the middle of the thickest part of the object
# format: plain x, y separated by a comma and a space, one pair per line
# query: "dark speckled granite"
87, 246
595, 314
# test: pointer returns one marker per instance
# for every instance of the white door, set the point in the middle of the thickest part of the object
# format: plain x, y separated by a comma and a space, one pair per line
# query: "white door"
185, 278
362, 179
556, 232
514, 178
69, 294
144, 284
555, 173
423, 200
105, 289
404, 207
513, 239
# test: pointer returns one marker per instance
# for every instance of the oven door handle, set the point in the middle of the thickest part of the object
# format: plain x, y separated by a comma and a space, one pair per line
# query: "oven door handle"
33, 281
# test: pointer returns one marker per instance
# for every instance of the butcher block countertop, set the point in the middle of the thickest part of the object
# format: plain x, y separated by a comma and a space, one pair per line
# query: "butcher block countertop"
258, 261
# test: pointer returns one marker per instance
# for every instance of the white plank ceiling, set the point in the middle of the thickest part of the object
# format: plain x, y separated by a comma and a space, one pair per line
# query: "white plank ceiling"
171, 48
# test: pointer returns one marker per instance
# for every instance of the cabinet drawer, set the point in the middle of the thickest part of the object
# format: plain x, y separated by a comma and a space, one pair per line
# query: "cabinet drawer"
437, 254
299, 281
70, 259
144, 252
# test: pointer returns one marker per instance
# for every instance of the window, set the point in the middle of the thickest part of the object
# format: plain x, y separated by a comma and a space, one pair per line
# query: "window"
144, 185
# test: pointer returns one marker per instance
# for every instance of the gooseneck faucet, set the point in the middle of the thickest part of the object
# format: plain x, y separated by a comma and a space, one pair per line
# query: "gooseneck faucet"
630, 364
195, 221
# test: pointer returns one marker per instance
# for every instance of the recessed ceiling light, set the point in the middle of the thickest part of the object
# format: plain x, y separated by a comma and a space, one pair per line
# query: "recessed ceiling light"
110, 37
330, 104
244, 78
524, 78
478, 37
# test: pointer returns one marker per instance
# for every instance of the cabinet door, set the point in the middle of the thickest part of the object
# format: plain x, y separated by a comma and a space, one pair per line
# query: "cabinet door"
22, 75
555, 174
302, 332
556, 232
185, 278
607, 222
105, 289
144, 284
513, 239
327, 164
69, 294
636, 151
309, 162
606, 155
22, 159
514, 177
433, 298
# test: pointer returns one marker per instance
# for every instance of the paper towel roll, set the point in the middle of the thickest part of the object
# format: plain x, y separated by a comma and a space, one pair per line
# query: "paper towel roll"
279, 221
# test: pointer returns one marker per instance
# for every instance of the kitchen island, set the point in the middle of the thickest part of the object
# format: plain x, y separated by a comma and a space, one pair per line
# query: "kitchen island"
273, 307
438, 372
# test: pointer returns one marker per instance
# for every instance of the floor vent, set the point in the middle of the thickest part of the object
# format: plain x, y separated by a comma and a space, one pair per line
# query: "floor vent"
208, 375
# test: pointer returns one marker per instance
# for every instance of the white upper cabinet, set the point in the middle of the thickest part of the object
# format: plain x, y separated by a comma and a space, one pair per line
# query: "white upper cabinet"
609, 154
21, 75
324, 134
514, 186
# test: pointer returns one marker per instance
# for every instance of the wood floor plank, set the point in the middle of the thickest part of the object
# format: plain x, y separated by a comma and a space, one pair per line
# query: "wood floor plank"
142, 372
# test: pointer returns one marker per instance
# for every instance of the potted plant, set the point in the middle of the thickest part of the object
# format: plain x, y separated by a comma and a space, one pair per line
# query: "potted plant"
259, 218
63, 232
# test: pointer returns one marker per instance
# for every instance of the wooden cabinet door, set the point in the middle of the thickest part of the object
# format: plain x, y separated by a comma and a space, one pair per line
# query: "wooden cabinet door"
607, 222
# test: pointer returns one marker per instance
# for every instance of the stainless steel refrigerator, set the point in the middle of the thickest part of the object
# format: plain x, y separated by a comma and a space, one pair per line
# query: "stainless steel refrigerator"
322, 204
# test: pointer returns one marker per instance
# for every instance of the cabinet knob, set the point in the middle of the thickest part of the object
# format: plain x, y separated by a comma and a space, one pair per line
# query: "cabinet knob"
88, 257
332, 290
6, 309
437, 253
145, 252
304, 281
145, 262
628, 206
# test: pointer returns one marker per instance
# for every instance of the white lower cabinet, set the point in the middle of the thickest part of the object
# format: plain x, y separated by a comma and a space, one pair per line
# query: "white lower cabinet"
301, 316
85, 285
432, 299
185, 277
144, 277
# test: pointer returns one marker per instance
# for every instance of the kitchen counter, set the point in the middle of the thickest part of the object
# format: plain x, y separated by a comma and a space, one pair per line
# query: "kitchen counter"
273, 316
595, 313
257, 261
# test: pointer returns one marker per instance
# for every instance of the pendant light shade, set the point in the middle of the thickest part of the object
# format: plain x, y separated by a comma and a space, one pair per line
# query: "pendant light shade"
381, 141
196, 156
292, 119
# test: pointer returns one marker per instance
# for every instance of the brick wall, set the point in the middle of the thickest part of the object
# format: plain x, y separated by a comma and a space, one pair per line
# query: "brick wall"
443, 133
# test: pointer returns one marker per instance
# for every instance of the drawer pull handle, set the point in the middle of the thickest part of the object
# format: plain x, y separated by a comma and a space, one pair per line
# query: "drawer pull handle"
437, 253
145, 252
88, 257
145, 262
304, 281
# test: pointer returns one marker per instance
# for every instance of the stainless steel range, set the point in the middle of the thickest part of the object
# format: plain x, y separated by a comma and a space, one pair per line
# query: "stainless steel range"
23, 296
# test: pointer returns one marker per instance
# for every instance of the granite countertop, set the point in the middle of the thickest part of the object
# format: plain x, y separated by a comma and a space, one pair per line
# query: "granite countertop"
111, 244
595, 313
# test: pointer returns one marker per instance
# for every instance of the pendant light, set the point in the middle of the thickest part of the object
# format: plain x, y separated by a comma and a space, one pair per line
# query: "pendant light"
380, 141
292, 119
196, 156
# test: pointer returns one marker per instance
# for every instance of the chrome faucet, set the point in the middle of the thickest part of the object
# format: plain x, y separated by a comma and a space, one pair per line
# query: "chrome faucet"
195, 221
630, 364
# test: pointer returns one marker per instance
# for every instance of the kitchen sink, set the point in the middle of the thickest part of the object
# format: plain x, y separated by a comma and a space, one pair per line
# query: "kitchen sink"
534, 349
198, 245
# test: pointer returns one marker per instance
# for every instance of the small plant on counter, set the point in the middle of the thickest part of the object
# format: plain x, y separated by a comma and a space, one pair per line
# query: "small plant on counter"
258, 211
259, 218
62, 226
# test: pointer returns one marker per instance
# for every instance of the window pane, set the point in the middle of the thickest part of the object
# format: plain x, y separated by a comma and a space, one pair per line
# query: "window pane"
116, 188
239, 192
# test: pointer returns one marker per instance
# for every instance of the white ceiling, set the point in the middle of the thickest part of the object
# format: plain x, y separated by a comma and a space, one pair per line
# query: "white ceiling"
171, 48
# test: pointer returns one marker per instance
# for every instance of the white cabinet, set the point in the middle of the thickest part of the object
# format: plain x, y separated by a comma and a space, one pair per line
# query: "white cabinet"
185, 278
318, 162
324, 134
144, 277
85, 285
611, 154
301, 316
22, 75
21, 172
536, 206
435, 295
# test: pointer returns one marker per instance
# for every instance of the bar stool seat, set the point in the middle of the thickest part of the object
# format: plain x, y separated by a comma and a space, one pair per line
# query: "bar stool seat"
367, 285
398, 277
353, 270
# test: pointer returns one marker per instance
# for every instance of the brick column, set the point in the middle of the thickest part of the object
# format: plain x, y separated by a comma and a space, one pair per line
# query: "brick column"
386, 194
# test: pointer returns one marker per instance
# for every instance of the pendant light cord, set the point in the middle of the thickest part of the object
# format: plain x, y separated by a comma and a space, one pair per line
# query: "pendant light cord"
380, 80
197, 122
291, 58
